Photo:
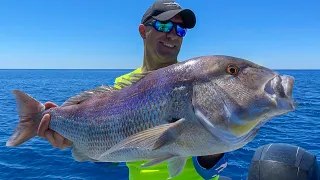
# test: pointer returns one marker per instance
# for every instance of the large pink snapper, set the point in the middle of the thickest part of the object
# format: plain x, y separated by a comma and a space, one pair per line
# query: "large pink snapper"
202, 106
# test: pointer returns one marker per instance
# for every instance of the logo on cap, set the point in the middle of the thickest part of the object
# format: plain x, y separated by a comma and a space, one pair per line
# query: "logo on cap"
172, 4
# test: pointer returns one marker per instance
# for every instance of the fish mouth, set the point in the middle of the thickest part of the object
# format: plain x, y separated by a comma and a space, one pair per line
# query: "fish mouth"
279, 90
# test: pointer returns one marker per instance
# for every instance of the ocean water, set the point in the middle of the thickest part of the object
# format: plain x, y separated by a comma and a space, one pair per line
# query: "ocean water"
36, 159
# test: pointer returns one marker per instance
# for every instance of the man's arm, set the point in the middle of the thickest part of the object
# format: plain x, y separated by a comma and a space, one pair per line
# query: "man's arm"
210, 166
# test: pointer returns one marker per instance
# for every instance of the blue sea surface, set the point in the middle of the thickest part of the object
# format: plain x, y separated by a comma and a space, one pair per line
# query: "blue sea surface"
36, 159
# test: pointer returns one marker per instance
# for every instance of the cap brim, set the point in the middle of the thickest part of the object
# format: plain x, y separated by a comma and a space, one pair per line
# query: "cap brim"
188, 17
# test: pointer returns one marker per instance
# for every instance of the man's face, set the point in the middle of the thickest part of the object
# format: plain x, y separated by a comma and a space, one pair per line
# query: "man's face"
165, 45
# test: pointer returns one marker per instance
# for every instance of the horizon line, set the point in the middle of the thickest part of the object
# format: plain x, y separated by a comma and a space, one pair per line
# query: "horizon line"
119, 69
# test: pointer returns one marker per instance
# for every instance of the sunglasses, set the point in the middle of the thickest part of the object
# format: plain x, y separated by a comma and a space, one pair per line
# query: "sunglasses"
167, 26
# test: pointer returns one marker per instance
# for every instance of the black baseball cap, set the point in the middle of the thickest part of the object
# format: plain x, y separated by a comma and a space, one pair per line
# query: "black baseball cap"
164, 10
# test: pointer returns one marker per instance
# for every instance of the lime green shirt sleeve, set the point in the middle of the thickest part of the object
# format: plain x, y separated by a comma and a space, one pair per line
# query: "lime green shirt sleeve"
124, 78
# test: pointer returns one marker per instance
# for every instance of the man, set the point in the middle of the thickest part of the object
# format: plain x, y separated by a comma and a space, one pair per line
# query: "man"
162, 29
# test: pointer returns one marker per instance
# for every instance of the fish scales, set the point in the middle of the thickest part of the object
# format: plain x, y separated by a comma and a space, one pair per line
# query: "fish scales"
114, 125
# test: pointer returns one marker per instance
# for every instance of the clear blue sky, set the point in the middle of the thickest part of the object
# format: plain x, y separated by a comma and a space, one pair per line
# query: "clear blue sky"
104, 34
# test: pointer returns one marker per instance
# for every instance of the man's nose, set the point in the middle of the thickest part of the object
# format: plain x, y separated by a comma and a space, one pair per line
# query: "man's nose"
172, 35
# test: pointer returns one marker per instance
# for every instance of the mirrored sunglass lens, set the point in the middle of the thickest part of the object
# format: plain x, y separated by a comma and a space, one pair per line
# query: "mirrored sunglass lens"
164, 27
181, 31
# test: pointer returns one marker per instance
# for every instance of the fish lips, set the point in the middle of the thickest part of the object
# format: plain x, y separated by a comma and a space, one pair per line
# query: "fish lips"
279, 91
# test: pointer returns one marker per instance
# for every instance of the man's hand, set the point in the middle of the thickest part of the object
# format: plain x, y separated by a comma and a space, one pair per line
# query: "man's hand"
54, 138
209, 161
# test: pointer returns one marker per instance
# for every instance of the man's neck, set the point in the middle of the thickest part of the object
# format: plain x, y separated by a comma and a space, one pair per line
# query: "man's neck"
152, 62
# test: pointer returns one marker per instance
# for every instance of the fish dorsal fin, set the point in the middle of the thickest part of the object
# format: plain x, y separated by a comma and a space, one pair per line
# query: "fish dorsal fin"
88, 94
134, 77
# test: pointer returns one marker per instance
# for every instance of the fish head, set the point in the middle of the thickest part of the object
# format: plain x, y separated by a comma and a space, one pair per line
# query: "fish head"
234, 97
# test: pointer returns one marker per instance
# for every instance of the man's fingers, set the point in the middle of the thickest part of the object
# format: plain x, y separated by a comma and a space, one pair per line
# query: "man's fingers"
49, 136
66, 144
44, 125
49, 105
54, 138
58, 139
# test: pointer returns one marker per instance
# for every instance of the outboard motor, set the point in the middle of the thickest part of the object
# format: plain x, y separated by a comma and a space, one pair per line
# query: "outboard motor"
283, 162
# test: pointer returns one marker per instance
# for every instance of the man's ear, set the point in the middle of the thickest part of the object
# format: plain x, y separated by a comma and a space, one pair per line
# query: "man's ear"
142, 31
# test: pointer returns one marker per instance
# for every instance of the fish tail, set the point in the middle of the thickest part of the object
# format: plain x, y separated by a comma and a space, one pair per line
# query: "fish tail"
30, 111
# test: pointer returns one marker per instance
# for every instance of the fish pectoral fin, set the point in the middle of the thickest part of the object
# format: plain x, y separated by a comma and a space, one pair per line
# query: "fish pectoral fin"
150, 139
88, 94
80, 156
176, 165
156, 161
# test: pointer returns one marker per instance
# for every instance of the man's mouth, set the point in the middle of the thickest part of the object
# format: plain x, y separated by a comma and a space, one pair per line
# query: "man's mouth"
167, 44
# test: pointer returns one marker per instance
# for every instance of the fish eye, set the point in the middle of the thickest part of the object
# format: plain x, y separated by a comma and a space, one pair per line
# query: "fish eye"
232, 69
